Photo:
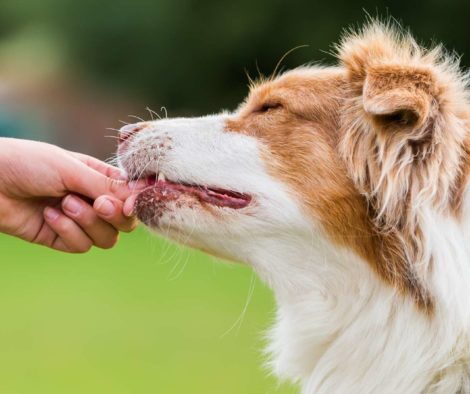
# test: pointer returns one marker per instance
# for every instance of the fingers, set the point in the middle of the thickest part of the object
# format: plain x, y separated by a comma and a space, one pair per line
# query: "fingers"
79, 226
66, 235
129, 204
103, 235
100, 166
112, 211
91, 183
92, 178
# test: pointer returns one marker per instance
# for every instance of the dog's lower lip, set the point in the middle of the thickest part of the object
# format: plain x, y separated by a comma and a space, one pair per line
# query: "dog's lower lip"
166, 189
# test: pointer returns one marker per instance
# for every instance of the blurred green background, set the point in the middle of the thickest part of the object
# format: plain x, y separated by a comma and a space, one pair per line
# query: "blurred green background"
145, 317
148, 317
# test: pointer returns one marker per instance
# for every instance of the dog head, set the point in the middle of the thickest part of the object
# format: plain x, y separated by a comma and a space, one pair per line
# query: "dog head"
353, 153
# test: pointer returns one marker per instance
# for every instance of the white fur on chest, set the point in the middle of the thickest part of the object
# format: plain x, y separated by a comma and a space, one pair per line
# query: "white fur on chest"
340, 329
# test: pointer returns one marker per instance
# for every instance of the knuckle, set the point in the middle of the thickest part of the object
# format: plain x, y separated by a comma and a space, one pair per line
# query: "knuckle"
113, 185
64, 226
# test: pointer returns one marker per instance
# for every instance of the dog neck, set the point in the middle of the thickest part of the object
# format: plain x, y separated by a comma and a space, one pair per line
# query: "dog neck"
341, 329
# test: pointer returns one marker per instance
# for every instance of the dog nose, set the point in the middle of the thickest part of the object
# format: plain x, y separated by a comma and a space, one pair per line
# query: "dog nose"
129, 130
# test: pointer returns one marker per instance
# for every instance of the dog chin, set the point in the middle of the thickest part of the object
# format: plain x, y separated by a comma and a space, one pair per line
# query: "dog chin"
157, 211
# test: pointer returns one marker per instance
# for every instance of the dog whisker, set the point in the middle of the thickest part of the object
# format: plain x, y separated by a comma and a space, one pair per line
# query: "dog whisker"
136, 117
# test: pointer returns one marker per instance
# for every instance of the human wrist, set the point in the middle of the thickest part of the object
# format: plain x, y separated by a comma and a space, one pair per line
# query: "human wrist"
8, 149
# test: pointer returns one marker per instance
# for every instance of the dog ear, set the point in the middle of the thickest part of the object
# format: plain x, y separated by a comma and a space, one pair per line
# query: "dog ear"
394, 76
404, 124
399, 98
404, 139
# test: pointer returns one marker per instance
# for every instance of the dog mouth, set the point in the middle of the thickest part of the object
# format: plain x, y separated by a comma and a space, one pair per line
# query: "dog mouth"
163, 189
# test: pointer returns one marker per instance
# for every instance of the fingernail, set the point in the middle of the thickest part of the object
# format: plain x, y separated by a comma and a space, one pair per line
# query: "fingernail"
72, 205
128, 212
129, 206
51, 213
105, 207
120, 175
123, 175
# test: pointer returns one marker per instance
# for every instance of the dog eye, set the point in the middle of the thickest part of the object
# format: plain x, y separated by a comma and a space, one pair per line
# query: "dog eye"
267, 107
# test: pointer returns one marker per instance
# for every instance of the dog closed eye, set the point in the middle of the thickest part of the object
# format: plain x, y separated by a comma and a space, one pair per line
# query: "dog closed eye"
266, 107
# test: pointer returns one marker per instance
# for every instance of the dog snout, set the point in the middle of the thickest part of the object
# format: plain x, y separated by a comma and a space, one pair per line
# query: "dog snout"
130, 130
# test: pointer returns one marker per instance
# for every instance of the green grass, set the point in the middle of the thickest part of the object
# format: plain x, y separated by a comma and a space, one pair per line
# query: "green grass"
146, 317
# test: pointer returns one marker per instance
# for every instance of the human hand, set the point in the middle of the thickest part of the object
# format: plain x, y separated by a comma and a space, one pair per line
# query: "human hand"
64, 200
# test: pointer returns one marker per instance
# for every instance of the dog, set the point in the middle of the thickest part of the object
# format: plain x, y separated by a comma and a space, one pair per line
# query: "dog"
346, 189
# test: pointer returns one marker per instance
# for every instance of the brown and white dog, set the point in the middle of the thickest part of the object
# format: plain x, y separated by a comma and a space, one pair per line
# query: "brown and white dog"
346, 189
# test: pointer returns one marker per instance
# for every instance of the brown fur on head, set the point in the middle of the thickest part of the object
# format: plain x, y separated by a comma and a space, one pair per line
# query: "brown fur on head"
378, 140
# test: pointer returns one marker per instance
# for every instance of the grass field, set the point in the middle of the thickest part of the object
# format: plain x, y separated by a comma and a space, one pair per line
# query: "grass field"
145, 317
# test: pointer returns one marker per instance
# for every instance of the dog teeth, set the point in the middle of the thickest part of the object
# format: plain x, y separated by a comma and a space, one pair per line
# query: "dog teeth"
161, 177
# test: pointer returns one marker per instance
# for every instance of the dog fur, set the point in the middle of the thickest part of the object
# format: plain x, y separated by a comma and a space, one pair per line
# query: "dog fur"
359, 212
